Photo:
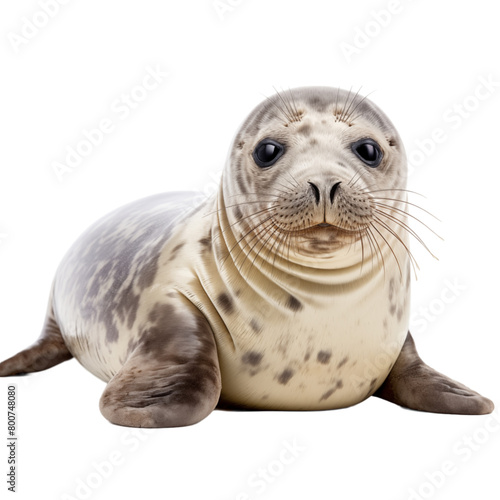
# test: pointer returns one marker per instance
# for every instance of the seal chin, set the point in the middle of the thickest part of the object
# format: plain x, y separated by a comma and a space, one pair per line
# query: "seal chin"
324, 240
330, 231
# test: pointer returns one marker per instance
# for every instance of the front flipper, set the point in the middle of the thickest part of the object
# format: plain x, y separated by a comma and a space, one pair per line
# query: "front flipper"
171, 377
413, 384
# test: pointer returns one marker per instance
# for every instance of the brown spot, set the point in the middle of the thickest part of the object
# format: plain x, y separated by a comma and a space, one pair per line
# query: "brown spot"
240, 144
252, 358
293, 303
206, 243
112, 333
343, 362
254, 325
327, 394
226, 302
126, 309
175, 250
372, 386
304, 129
307, 356
241, 183
238, 213
391, 289
318, 102
285, 376
324, 357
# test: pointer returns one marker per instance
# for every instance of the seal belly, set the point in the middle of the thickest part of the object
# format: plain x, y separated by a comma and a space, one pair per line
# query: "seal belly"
322, 352
99, 283
298, 367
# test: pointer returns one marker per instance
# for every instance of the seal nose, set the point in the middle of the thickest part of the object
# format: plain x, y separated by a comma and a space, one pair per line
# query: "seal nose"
332, 191
317, 193
315, 190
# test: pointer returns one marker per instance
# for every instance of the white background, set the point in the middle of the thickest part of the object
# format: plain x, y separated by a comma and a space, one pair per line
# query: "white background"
428, 58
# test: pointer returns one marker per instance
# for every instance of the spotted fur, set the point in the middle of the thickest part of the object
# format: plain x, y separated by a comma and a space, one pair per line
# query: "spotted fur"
272, 294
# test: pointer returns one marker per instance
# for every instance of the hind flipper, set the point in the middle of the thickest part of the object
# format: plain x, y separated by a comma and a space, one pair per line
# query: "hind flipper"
49, 350
415, 385
171, 377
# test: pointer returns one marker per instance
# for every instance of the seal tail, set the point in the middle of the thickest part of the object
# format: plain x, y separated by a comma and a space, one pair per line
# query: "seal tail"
49, 350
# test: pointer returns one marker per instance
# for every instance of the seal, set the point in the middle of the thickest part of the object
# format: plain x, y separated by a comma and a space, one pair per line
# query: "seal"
288, 290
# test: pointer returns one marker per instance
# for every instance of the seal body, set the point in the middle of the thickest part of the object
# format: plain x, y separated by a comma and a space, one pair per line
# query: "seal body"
284, 341
288, 289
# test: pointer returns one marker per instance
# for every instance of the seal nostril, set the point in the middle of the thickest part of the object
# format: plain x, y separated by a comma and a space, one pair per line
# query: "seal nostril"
332, 192
315, 191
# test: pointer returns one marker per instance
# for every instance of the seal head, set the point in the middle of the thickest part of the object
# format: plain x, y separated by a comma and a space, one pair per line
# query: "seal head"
303, 173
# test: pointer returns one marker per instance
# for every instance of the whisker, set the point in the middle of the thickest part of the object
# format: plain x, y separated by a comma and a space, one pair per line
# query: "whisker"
276, 239
294, 105
278, 107
408, 203
281, 238
267, 209
229, 226
400, 210
393, 189
346, 117
390, 248
285, 103
341, 119
358, 173
336, 110
251, 249
356, 107
362, 253
242, 238
249, 243
289, 182
407, 228
396, 235
263, 244
238, 205
260, 194
381, 257
371, 235
295, 180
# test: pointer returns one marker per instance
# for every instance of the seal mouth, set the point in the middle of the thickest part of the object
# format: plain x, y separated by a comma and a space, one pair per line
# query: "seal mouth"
327, 228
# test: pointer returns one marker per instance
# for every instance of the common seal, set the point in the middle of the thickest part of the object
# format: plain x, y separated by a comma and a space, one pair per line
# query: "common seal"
288, 290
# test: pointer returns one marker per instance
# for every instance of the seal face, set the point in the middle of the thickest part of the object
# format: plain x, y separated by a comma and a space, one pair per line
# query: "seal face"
314, 165
289, 289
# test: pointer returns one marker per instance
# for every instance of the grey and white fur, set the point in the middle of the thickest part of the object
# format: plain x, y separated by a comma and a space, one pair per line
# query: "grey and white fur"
288, 290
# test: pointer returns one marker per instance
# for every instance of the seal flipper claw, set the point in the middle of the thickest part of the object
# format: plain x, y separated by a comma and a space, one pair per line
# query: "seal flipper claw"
49, 350
171, 377
412, 384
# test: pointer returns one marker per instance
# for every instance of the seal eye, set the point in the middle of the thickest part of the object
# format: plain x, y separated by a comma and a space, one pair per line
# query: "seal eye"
368, 151
267, 152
